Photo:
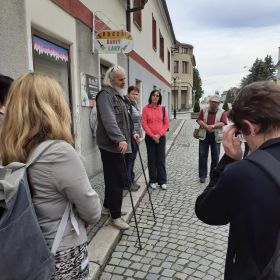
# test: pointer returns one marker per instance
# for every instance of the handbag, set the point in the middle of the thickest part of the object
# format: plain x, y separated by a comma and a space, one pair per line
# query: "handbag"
196, 133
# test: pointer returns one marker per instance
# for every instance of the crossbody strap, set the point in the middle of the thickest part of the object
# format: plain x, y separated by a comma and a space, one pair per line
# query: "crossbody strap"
267, 163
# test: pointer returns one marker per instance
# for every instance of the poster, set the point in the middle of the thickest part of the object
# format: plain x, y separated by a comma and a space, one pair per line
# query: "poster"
89, 89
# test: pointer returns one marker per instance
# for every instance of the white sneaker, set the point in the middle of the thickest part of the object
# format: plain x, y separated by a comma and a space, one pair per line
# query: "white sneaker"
163, 186
153, 186
118, 223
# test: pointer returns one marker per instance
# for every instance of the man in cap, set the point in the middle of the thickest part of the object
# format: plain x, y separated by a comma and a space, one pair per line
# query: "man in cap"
211, 121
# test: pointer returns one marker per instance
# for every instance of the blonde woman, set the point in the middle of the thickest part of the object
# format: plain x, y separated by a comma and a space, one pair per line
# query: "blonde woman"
36, 112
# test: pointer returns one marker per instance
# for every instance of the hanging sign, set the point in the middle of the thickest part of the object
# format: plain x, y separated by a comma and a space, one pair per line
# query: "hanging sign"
113, 41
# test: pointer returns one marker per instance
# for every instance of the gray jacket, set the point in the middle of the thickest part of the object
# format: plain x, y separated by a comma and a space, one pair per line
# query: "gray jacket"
113, 121
57, 177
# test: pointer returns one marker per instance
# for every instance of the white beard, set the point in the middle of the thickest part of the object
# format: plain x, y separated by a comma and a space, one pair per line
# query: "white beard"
121, 91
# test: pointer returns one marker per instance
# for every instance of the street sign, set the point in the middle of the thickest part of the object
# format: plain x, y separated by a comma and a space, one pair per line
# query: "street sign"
113, 41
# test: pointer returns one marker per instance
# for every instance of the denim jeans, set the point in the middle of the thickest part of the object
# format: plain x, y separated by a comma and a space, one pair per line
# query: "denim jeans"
156, 159
204, 145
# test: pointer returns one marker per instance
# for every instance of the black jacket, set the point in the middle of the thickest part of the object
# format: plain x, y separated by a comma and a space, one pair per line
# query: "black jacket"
240, 193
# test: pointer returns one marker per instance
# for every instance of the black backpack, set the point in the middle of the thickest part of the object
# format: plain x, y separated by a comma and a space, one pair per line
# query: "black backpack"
271, 166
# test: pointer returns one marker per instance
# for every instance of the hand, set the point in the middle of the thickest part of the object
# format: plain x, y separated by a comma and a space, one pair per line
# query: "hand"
209, 128
123, 147
136, 137
156, 138
231, 143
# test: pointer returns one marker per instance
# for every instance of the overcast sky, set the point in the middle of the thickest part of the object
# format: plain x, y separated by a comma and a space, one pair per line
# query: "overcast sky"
227, 36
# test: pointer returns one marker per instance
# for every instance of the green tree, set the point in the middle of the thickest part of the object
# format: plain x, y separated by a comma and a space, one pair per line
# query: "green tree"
261, 70
197, 85
225, 106
196, 107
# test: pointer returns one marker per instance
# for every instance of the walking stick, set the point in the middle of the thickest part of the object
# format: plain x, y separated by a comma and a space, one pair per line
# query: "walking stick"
133, 208
146, 181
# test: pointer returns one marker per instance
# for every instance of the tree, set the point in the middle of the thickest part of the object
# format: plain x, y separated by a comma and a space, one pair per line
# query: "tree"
225, 106
197, 85
196, 107
261, 70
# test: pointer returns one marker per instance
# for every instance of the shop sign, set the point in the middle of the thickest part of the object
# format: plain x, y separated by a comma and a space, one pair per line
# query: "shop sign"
113, 41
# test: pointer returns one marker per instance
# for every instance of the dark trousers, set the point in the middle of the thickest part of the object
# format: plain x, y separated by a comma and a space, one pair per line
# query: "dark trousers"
156, 159
130, 160
115, 178
204, 145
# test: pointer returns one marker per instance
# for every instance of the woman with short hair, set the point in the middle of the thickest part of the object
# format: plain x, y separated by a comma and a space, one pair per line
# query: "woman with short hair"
240, 192
37, 112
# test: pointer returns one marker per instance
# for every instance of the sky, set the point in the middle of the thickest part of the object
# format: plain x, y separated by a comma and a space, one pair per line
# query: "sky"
227, 36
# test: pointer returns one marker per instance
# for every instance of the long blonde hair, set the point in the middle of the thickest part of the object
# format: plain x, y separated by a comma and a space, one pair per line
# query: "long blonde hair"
36, 111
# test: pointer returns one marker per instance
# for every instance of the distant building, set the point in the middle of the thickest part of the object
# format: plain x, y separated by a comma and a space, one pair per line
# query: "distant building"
183, 61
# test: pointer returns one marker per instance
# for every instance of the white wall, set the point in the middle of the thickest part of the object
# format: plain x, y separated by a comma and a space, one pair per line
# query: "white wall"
143, 39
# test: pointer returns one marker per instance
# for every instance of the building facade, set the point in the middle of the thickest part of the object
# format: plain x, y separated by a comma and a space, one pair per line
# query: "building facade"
57, 37
183, 61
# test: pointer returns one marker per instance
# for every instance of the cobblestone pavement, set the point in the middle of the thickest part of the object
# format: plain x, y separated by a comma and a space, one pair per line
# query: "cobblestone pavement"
177, 245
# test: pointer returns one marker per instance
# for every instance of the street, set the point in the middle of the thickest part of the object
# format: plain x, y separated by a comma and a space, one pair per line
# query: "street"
177, 245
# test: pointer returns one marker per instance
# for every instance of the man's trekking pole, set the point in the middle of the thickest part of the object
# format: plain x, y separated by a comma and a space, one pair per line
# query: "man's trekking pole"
133, 208
146, 181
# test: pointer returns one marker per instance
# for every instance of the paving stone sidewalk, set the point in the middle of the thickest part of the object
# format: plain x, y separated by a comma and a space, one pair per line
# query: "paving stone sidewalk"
177, 245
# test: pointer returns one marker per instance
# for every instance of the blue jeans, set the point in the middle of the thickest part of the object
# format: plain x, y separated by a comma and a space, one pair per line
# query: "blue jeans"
204, 145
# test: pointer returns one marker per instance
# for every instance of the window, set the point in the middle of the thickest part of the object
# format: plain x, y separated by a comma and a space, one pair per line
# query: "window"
185, 50
176, 66
161, 47
154, 33
185, 67
137, 16
168, 59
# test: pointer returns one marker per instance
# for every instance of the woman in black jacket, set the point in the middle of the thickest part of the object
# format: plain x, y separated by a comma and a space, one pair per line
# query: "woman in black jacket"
242, 194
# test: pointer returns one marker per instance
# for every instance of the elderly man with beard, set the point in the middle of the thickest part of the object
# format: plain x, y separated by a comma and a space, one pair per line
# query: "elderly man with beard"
114, 140
211, 121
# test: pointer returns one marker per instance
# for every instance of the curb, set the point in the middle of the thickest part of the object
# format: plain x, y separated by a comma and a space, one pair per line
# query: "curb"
105, 240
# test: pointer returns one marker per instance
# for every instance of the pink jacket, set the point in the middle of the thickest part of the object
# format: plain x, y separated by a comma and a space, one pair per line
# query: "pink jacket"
152, 120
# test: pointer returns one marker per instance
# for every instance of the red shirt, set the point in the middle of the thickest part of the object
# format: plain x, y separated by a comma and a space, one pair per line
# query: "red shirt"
152, 120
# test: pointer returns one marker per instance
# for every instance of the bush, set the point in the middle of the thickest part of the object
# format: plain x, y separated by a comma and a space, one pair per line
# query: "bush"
225, 106
196, 107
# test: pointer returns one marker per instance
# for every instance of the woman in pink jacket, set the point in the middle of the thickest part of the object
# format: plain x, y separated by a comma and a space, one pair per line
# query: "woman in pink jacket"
155, 122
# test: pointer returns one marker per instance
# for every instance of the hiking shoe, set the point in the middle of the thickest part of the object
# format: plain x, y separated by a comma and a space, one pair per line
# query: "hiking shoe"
118, 223
133, 188
163, 186
202, 180
153, 185
136, 185
106, 211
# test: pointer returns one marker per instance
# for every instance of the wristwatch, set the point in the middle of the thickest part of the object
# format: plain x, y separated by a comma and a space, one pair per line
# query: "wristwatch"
213, 126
